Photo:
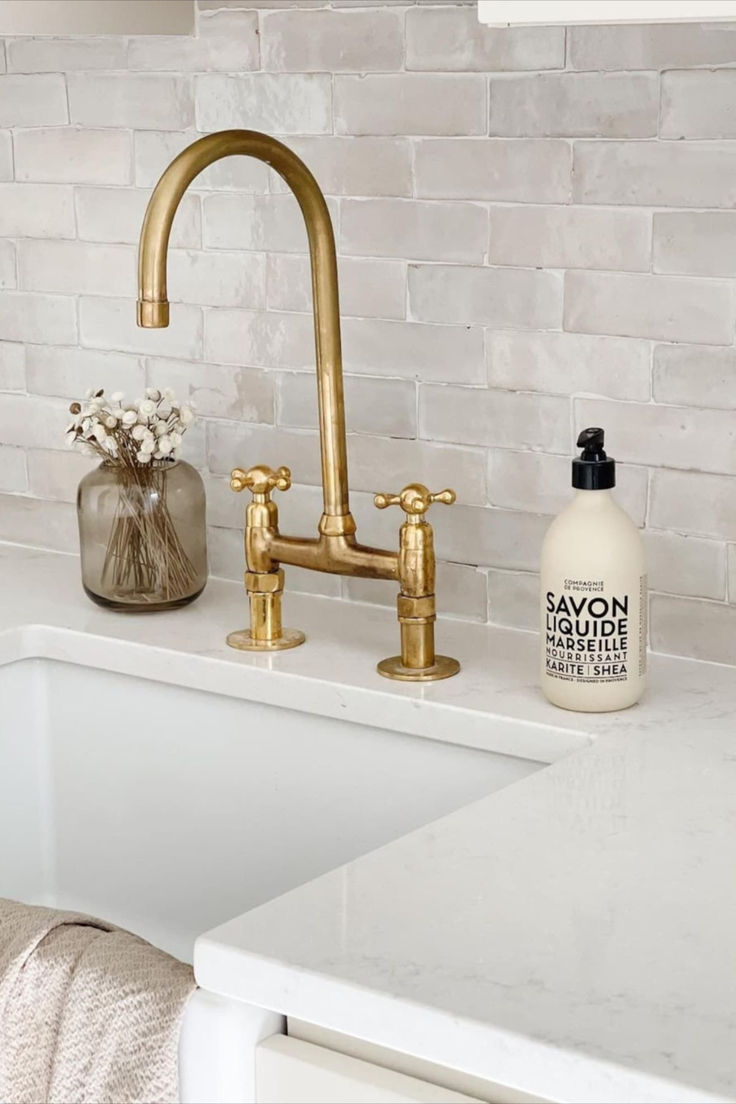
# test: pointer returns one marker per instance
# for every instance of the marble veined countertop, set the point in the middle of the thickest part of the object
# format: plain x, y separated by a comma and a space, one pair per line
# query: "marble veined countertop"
573, 935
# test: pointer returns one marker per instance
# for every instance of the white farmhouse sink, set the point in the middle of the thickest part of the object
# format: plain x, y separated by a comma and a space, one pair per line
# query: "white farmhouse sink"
169, 810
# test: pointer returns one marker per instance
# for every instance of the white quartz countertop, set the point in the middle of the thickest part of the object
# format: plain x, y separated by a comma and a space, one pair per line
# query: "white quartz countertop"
573, 935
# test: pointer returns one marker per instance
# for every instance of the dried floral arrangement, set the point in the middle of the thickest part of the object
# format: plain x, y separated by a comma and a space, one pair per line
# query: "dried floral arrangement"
139, 441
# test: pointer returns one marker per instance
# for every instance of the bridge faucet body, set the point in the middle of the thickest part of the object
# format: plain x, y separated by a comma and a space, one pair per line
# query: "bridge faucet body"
335, 548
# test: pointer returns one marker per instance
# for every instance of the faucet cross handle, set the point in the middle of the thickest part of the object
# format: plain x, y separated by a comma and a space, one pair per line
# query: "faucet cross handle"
414, 500
261, 480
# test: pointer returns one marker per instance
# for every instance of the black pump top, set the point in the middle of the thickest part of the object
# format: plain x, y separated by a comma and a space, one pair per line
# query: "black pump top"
593, 470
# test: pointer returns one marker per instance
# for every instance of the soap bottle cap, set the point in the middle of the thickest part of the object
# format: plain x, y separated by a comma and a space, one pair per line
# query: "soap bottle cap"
593, 470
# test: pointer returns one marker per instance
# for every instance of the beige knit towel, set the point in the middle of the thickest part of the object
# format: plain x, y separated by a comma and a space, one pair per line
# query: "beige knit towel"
89, 1014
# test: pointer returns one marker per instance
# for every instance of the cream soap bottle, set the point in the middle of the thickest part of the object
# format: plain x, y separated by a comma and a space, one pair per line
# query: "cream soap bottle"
593, 594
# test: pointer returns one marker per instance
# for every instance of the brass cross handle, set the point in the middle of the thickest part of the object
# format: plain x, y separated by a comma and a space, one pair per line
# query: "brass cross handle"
261, 480
415, 499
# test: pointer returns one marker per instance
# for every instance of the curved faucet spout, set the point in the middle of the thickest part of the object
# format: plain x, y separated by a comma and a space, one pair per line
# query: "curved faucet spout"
153, 306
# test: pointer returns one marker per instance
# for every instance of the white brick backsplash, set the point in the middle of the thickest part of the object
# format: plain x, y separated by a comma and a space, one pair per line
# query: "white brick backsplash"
225, 40
231, 444
690, 375
502, 297
298, 104
330, 41
685, 565
570, 237
68, 155
241, 394
26, 316
447, 354
28, 101
387, 407
116, 215
509, 419
36, 211
39, 522
697, 242
660, 174
55, 475
6, 155
417, 230
217, 279
694, 502
111, 324
76, 268
69, 372
369, 287
355, 166
518, 170
582, 105
513, 599
64, 55
7, 265
155, 149
673, 436
667, 308
567, 363
143, 101
731, 585
379, 463
13, 474
687, 627
651, 45
33, 422
272, 222
273, 340
410, 104
461, 591
698, 104
453, 38
492, 538
12, 366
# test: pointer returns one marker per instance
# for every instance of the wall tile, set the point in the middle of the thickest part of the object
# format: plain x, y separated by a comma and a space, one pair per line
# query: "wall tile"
272, 340
461, 591
39, 523
363, 166
298, 104
582, 105
697, 104
507, 419
369, 287
36, 211
694, 502
217, 279
6, 156
493, 538
689, 627
143, 101
452, 38
67, 155
416, 230
387, 407
29, 101
155, 149
76, 268
691, 375
685, 565
570, 237
448, 354
240, 394
12, 366
272, 222
64, 55
55, 475
26, 316
658, 174
410, 104
503, 297
513, 599
695, 242
224, 40
7, 265
116, 215
377, 463
13, 474
70, 372
304, 41
110, 324
518, 170
651, 45
33, 422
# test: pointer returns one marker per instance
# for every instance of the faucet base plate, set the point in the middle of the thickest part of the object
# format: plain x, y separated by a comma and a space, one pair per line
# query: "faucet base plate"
245, 642
442, 668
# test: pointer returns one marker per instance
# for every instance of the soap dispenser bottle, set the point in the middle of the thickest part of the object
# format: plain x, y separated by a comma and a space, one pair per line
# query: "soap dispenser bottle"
593, 594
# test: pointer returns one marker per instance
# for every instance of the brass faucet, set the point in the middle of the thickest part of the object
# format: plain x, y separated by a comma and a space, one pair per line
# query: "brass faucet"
335, 549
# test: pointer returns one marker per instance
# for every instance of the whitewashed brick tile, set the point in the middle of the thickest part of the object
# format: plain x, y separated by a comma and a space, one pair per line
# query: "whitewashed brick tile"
441, 354
320, 41
268, 340
691, 375
12, 366
70, 372
461, 591
415, 230
6, 156
272, 222
519, 170
7, 265
698, 104
39, 523
488, 537
140, 101
410, 104
291, 104
731, 549
388, 463
570, 237
541, 483
55, 475
363, 166
239, 394
513, 599
36, 211
671, 436
384, 407
690, 627
217, 279
154, 150
76, 268
566, 363
503, 297
369, 288
651, 45
224, 508
13, 474
508, 419
32, 422
27, 316
63, 55
583, 105
67, 155
111, 324
235, 444
452, 38
660, 174
694, 502
27, 101
685, 565
224, 40
700, 243
116, 215
668, 308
